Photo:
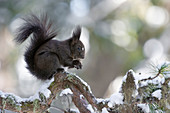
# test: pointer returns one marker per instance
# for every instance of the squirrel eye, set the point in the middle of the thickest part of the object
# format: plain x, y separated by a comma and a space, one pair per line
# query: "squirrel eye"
79, 48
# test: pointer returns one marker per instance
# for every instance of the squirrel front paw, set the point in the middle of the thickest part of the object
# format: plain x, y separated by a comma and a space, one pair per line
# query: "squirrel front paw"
77, 64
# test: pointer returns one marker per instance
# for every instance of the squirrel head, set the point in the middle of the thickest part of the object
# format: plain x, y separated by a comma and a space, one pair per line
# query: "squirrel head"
77, 47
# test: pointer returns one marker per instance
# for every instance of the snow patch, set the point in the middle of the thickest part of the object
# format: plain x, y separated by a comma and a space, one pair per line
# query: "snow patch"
116, 98
81, 97
144, 107
157, 94
66, 92
167, 75
158, 80
74, 110
133, 73
99, 100
169, 83
104, 110
167, 105
89, 107
43, 89
12, 96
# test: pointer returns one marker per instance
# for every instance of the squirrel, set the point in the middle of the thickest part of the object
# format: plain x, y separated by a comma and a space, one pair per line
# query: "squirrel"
44, 55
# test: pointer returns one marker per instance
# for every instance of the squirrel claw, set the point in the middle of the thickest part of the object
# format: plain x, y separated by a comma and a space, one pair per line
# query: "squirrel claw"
78, 66
60, 70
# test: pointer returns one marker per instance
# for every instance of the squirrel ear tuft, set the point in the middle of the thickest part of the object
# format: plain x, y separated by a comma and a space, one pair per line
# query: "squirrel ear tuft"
76, 33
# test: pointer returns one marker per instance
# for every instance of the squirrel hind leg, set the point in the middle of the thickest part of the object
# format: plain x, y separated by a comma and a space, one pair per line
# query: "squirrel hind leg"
59, 70
52, 75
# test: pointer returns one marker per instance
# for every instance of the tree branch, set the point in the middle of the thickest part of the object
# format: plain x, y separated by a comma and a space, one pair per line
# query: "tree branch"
124, 101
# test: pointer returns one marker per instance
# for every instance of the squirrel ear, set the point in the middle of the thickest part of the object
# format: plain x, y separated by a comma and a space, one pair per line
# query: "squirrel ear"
76, 34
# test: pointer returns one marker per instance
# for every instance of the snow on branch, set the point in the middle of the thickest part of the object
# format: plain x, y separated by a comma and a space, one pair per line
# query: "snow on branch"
137, 94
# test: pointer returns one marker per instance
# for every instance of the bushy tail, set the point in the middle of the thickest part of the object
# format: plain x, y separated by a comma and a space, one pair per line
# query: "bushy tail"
41, 30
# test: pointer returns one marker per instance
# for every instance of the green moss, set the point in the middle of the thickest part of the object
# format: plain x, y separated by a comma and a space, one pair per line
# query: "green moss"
36, 105
52, 84
26, 105
4, 103
18, 107
42, 97
11, 99
70, 78
154, 107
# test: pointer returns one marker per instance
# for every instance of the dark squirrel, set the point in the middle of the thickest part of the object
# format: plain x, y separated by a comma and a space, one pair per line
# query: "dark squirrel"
45, 56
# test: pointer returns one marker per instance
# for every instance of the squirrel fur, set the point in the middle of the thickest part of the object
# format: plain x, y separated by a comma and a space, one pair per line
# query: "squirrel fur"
45, 56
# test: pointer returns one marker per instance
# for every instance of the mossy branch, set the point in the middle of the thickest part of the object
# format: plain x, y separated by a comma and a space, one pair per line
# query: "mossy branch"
132, 95
61, 81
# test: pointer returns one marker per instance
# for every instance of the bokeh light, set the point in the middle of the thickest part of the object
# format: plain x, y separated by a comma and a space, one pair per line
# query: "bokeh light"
157, 16
153, 49
80, 8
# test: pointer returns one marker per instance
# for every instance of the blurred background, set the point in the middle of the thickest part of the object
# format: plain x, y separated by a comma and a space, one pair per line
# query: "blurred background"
118, 35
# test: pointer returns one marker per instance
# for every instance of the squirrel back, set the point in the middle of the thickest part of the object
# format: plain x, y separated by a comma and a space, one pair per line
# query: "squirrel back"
41, 30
